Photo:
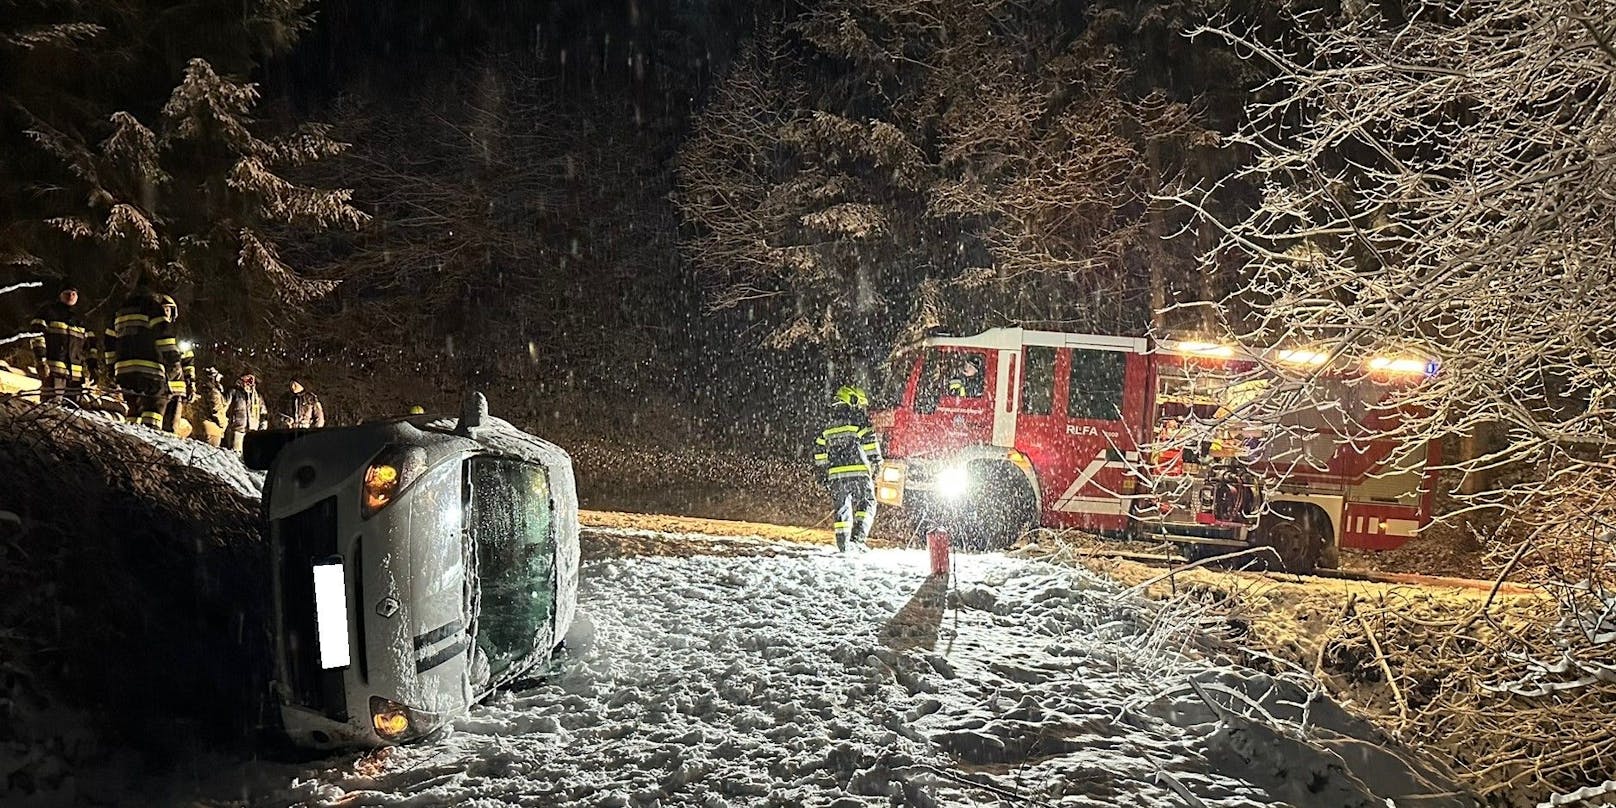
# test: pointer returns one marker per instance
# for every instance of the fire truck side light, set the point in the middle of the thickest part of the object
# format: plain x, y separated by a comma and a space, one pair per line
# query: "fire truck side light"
1303, 357
1206, 349
953, 482
891, 473
1403, 364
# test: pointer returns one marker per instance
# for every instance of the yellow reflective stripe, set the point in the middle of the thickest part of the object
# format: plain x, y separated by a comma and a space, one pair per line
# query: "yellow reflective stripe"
837, 430
176, 386
820, 440
126, 364
870, 447
164, 342
840, 525
126, 319
860, 468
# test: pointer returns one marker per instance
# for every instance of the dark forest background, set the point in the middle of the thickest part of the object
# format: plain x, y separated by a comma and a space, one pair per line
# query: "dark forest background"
665, 220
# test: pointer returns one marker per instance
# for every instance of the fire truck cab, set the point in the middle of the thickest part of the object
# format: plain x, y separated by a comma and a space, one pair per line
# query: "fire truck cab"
1126, 437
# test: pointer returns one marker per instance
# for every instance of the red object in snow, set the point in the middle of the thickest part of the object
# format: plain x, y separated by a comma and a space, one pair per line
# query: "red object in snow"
937, 543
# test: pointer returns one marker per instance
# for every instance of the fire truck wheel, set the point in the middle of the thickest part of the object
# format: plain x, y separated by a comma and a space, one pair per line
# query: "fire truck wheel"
1003, 515
1297, 547
1330, 556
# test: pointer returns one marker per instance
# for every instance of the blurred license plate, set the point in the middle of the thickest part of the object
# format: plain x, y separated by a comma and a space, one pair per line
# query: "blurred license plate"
331, 612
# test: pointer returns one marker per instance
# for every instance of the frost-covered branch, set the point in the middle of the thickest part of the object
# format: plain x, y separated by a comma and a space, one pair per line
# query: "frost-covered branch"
1439, 189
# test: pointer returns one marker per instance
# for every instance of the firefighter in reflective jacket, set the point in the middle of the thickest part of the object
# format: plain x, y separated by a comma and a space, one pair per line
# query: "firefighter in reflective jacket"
181, 378
848, 455
144, 354
60, 347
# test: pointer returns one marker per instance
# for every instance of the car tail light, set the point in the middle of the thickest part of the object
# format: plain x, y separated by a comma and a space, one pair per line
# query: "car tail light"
398, 723
390, 719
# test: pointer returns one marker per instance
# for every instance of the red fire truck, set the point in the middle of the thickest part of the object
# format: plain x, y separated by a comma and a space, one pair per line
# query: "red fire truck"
1201, 444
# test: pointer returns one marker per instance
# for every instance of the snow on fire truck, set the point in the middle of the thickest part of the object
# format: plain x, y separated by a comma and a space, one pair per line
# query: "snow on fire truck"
1127, 437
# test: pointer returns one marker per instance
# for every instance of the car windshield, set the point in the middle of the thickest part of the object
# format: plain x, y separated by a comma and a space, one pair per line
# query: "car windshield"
510, 522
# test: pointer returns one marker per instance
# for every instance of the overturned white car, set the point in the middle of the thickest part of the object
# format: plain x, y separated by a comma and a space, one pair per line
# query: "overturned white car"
417, 564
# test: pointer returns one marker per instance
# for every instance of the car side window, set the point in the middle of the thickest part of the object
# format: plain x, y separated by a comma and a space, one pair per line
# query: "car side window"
511, 527
1096, 385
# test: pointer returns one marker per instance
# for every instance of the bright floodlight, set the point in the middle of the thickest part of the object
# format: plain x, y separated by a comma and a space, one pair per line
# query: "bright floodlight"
953, 482
331, 612
186, 345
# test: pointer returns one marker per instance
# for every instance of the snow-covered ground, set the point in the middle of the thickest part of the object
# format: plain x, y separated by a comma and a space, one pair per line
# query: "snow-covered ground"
820, 680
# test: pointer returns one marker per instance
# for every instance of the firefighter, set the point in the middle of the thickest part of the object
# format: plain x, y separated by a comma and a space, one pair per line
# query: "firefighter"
144, 354
848, 455
966, 381
243, 412
60, 347
181, 378
211, 409
299, 409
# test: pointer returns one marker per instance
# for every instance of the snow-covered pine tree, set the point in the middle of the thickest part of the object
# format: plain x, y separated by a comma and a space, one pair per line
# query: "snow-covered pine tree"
86, 152
873, 169
231, 196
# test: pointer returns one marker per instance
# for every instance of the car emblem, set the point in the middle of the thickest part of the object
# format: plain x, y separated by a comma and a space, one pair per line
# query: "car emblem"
387, 607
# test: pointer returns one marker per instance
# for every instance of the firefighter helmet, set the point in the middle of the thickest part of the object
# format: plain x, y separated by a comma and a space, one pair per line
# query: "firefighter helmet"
853, 396
171, 309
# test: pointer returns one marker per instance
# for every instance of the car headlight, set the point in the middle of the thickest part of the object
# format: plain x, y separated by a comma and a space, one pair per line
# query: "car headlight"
953, 482
389, 474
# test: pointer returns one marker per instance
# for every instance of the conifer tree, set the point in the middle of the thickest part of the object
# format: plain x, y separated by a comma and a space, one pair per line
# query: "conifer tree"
129, 129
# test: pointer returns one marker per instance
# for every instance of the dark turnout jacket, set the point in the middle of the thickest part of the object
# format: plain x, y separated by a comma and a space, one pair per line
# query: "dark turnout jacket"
141, 340
61, 341
847, 446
